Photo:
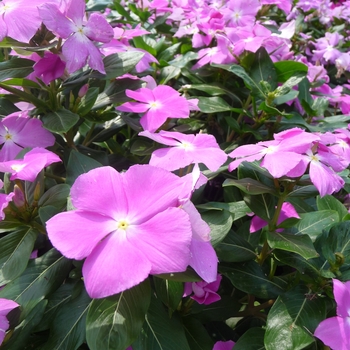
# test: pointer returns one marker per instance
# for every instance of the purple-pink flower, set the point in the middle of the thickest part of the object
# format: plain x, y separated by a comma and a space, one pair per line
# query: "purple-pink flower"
30, 166
49, 67
6, 306
18, 132
142, 230
71, 25
203, 292
224, 345
335, 331
5, 199
186, 150
158, 105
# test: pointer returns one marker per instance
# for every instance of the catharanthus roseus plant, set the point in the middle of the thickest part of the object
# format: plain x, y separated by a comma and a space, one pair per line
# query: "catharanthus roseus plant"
174, 174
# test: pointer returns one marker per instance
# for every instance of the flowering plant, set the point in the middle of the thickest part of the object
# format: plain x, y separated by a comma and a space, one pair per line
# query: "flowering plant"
174, 174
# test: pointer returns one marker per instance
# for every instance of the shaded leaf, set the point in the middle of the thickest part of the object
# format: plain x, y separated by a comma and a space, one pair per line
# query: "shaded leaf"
120, 63
60, 121
15, 68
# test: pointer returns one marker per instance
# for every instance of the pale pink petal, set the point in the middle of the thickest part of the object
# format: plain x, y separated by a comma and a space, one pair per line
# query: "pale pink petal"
152, 120
204, 260
98, 29
76, 11
66, 234
200, 229
165, 240
9, 151
171, 158
334, 332
76, 51
95, 58
114, 266
105, 185
256, 224
143, 95
3, 29
158, 190
162, 137
341, 293
4, 325
56, 21
280, 163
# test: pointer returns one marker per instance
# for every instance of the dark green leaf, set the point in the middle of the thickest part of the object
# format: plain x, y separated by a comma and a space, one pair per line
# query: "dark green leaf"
170, 292
300, 244
197, 336
250, 278
249, 186
55, 196
160, 332
47, 212
234, 248
263, 69
120, 63
331, 203
20, 339
16, 248
41, 277
88, 101
68, 327
113, 323
312, 224
169, 72
292, 320
60, 121
253, 339
79, 164
263, 205
15, 68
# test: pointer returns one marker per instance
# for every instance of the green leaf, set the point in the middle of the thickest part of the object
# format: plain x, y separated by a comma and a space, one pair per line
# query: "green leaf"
263, 69
312, 224
55, 196
67, 330
250, 278
79, 164
113, 323
213, 90
220, 223
88, 101
21, 82
141, 44
300, 244
60, 121
197, 336
170, 292
249, 186
331, 203
120, 63
262, 205
293, 319
235, 248
188, 276
169, 72
160, 332
47, 212
41, 277
252, 339
240, 72
15, 68
16, 248
286, 69
20, 339
237, 209
338, 241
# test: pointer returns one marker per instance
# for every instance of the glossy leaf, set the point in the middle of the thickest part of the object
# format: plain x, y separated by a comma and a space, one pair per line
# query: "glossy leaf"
249, 186
250, 278
197, 336
67, 330
15, 68
286, 69
300, 244
331, 203
234, 248
60, 121
115, 322
120, 63
292, 320
160, 332
253, 339
170, 292
55, 196
212, 104
41, 277
16, 248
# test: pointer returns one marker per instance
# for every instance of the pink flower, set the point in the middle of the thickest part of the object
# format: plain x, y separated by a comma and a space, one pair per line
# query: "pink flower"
224, 345
204, 293
186, 150
17, 133
141, 231
19, 19
70, 25
157, 104
287, 211
5, 199
30, 166
334, 331
49, 67
5, 307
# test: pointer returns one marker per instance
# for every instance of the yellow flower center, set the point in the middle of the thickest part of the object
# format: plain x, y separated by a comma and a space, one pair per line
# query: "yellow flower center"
123, 224
8, 136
